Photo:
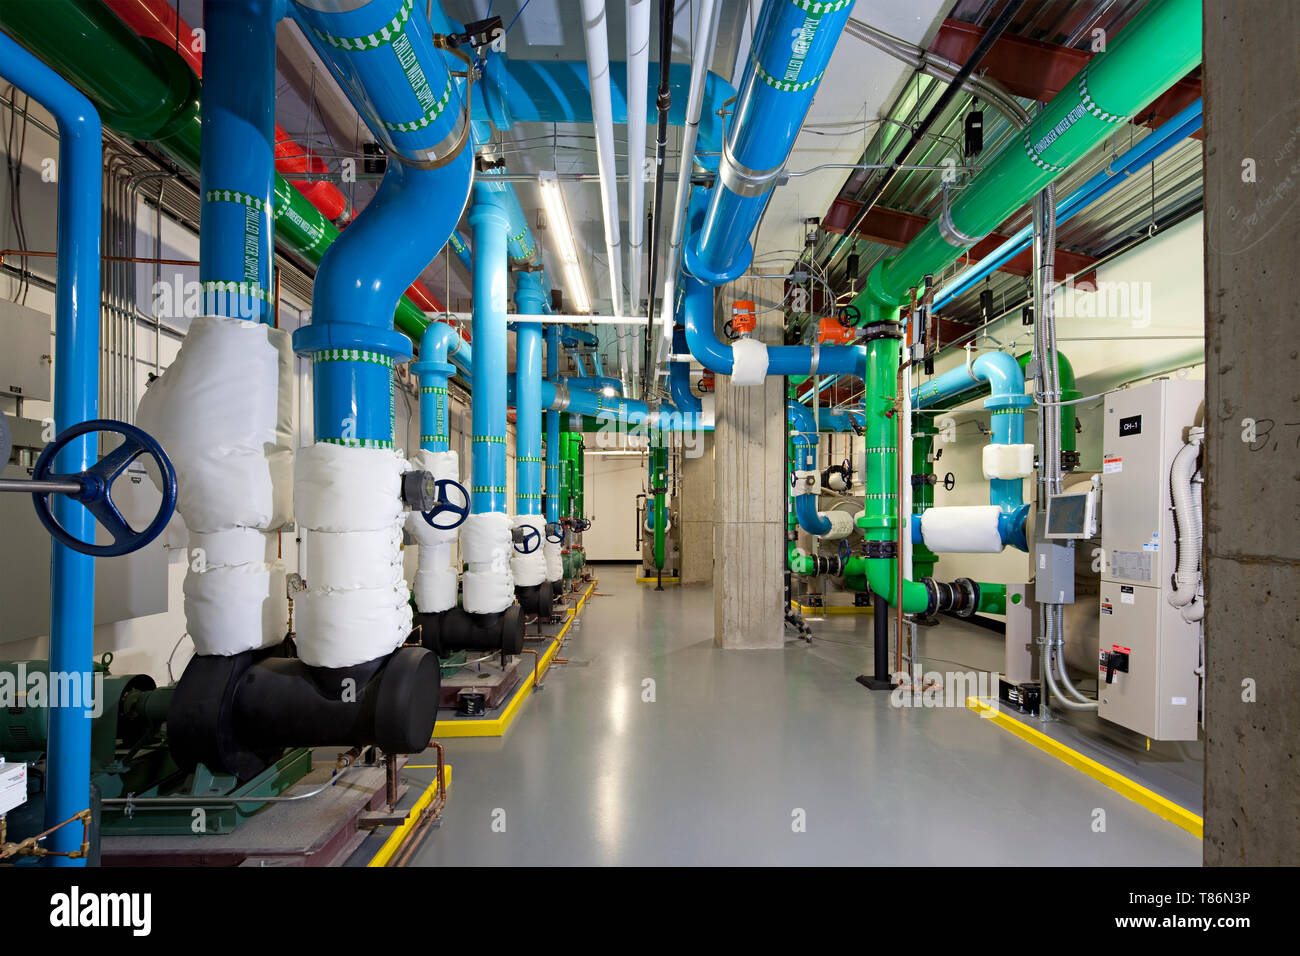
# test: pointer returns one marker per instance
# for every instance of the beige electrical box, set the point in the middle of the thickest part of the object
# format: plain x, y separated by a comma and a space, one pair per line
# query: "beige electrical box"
1148, 654
25, 359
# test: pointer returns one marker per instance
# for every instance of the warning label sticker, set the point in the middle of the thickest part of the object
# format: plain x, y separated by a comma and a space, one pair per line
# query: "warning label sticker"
1112, 464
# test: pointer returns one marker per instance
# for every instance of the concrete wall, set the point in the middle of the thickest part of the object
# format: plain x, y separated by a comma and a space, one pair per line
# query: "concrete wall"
749, 522
697, 513
1252, 552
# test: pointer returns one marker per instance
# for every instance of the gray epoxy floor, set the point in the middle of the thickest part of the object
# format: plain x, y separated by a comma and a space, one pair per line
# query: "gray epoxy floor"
738, 745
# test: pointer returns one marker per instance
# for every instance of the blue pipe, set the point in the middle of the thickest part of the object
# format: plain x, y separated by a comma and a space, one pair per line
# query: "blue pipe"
635, 413
76, 392
460, 248
716, 356
552, 429
529, 298
679, 377
489, 221
793, 43
1001, 374
237, 172
804, 437
382, 55
1172, 132
596, 383
433, 370
551, 91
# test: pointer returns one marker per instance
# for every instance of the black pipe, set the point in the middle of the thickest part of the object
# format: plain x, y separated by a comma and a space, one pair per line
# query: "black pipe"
458, 630
880, 680
237, 714
536, 599
920, 132
664, 102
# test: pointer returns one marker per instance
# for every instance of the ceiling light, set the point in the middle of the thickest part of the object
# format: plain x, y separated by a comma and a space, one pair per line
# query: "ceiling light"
561, 230
608, 391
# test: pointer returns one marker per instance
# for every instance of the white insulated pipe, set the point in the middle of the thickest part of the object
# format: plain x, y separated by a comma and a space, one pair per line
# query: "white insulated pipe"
706, 37
638, 117
597, 39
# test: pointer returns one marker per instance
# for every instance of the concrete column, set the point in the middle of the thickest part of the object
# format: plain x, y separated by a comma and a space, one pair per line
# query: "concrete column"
1252, 550
749, 494
696, 510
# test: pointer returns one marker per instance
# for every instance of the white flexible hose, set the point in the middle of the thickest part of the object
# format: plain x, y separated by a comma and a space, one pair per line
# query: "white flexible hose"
1187, 576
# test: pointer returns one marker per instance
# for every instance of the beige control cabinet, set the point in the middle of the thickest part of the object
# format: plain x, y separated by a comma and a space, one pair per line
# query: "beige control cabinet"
1148, 651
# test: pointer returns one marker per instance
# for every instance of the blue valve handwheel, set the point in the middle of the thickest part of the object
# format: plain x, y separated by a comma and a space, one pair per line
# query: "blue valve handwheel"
558, 537
461, 512
531, 540
97, 488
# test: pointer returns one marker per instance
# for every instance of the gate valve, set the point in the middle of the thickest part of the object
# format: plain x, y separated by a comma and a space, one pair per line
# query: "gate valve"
527, 539
555, 532
94, 488
444, 505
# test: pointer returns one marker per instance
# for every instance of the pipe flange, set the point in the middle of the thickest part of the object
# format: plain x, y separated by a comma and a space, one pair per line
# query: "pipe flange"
970, 597
931, 596
880, 549
881, 330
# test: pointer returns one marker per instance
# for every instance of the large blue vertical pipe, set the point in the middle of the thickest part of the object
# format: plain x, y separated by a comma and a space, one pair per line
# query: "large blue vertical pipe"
529, 300
237, 172
793, 43
489, 221
383, 55
76, 391
552, 429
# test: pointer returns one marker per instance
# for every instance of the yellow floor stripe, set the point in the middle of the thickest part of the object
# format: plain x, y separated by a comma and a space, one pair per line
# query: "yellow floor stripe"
398, 836
828, 609
497, 726
1129, 789
641, 580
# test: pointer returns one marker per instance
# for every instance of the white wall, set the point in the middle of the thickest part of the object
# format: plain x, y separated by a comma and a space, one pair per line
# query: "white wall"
1159, 330
611, 485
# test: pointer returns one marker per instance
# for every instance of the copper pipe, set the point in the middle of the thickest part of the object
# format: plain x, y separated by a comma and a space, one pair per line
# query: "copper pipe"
430, 813
537, 660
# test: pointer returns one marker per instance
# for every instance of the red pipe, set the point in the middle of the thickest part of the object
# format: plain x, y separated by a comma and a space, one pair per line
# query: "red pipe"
158, 20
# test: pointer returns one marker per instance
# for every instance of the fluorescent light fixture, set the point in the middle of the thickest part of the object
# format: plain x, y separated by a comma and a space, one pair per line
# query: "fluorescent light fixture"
561, 230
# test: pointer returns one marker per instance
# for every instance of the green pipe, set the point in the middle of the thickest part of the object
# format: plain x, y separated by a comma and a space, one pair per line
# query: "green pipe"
1065, 372
923, 559
1157, 48
993, 599
659, 485
145, 90
880, 519
799, 563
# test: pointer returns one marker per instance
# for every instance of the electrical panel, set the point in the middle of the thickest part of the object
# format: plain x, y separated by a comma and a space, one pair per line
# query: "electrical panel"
25, 369
1148, 654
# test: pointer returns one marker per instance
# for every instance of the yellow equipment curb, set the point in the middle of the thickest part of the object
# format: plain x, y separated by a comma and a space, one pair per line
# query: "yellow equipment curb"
828, 609
641, 580
398, 836
1129, 789
497, 726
